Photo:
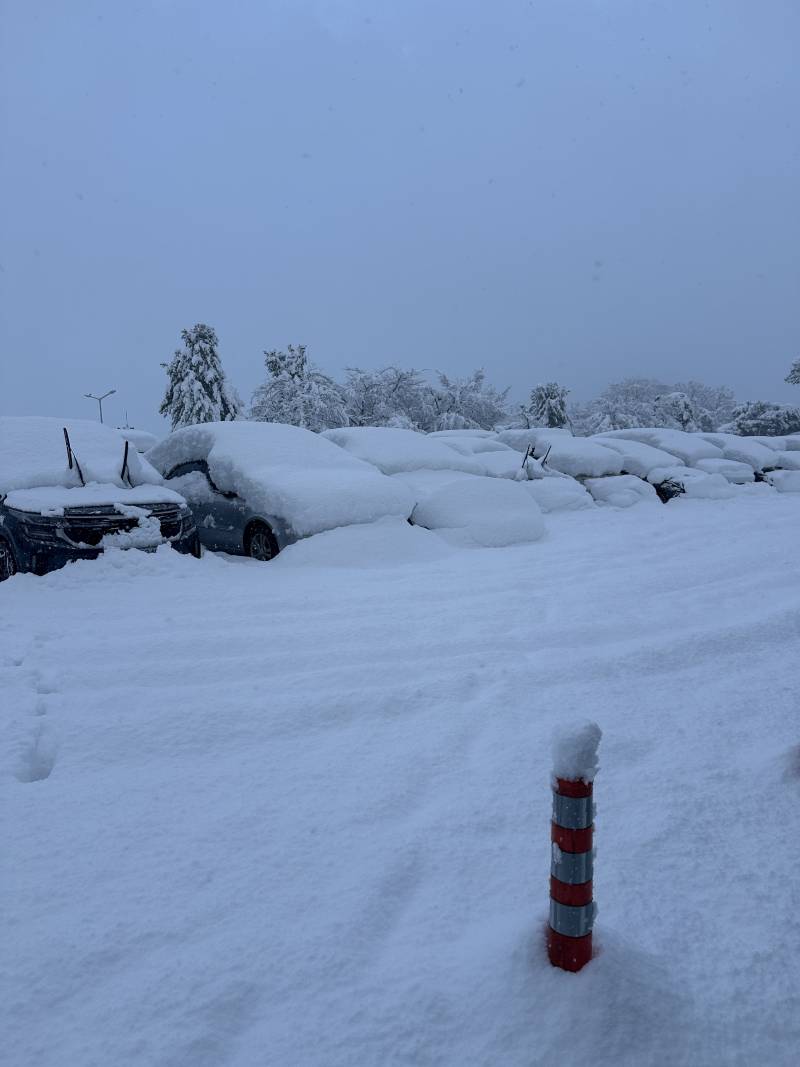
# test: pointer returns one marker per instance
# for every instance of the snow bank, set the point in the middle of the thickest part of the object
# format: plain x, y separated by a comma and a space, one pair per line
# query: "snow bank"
466, 433
637, 458
470, 446
621, 490
578, 456
392, 450
506, 464
521, 439
287, 472
575, 751
491, 512
784, 481
386, 543
558, 494
33, 454
789, 461
792, 442
422, 483
731, 469
695, 483
688, 447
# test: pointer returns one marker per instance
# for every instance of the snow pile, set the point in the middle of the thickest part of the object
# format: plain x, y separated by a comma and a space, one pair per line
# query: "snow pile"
287, 472
487, 511
558, 494
695, 483
786, 460
467, 434
422, 483
393, 450
731, 469
520, 440
33, 453
575, 748
621, 490
792, 442
637, 458
385, 543
505, 464
145, 534
688, 447
785, 481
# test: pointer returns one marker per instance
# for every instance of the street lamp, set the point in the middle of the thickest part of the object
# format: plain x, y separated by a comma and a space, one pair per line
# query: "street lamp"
99, 399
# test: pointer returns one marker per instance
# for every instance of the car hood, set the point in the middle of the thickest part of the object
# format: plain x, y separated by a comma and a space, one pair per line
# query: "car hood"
55, 499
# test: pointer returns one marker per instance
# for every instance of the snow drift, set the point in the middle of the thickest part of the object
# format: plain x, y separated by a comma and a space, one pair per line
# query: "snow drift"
487, 511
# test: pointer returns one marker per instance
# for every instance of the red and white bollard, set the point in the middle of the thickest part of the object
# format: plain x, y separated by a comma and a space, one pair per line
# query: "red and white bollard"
572, 910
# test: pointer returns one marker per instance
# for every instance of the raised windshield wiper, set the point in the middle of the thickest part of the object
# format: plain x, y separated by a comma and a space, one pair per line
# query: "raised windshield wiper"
125, 472
72, 458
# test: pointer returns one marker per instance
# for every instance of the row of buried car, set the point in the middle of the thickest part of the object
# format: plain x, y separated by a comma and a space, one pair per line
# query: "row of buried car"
70, 489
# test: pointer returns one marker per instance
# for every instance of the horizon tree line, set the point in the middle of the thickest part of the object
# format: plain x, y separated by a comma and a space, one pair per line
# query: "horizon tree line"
297, 391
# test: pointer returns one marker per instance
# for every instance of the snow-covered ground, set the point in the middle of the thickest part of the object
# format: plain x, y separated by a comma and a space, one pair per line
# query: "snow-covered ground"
297, 813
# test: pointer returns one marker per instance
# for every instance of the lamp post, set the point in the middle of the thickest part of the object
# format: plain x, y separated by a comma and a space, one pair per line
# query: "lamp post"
99, 399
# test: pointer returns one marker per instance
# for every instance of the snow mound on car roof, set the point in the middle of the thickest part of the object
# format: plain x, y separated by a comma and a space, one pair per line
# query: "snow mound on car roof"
733, 470
33, 454
785, 481
688, 447
637, 457
288, 472
744, 450
696, 483
491, 512
393, 450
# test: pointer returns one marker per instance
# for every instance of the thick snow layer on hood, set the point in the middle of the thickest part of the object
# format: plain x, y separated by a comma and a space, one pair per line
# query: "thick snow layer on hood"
470, 446
52, 500
621, 490
288, 472
33, 454
789, 461
792, 442
785, 481
688, 447
393, 450
575, 751
558, 494
743, 450
731, 469
577, 456
472, 434
637, 457
424, 482
491, 512
505, 464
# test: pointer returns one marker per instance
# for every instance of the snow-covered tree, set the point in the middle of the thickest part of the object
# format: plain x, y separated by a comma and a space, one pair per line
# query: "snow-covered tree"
298, 393
761, 417
389, 397
713, 404
793, 377
548, 405
197, 390
468, 403
676, 410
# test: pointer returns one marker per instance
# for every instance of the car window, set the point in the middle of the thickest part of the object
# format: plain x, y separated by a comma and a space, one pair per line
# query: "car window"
189, 468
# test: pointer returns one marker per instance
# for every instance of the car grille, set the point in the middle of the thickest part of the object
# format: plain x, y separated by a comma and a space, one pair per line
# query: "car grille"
88, 526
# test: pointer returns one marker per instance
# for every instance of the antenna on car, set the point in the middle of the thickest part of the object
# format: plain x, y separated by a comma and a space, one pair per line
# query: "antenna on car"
72, 458
125, 472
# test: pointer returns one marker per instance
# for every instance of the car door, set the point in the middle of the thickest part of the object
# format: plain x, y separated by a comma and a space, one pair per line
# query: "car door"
219, 515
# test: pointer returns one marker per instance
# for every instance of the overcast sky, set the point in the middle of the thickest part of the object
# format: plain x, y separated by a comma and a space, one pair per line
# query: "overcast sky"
557, 189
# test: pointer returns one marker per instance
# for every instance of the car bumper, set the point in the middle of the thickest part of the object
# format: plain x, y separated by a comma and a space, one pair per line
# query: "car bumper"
51, 556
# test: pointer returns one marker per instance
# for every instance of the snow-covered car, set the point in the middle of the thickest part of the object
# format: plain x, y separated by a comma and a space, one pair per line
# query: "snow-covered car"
69, 489
255, 487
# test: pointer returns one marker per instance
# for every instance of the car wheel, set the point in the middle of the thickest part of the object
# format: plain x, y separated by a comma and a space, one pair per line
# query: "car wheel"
261, 543
8, 565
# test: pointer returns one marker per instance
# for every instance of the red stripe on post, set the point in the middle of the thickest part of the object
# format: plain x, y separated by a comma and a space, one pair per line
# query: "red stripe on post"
568, 953
568, 788
571, 840
573, 895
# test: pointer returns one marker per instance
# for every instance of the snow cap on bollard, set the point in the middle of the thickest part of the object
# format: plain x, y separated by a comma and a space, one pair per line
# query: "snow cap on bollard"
572, 910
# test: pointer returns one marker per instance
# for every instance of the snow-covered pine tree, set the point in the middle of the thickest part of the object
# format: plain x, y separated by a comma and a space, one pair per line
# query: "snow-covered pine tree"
759, 417
296, 392
197, 390
548, 405
793, 377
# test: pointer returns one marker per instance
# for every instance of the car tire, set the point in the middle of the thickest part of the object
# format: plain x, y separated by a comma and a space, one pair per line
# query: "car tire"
260, 543
8, 565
